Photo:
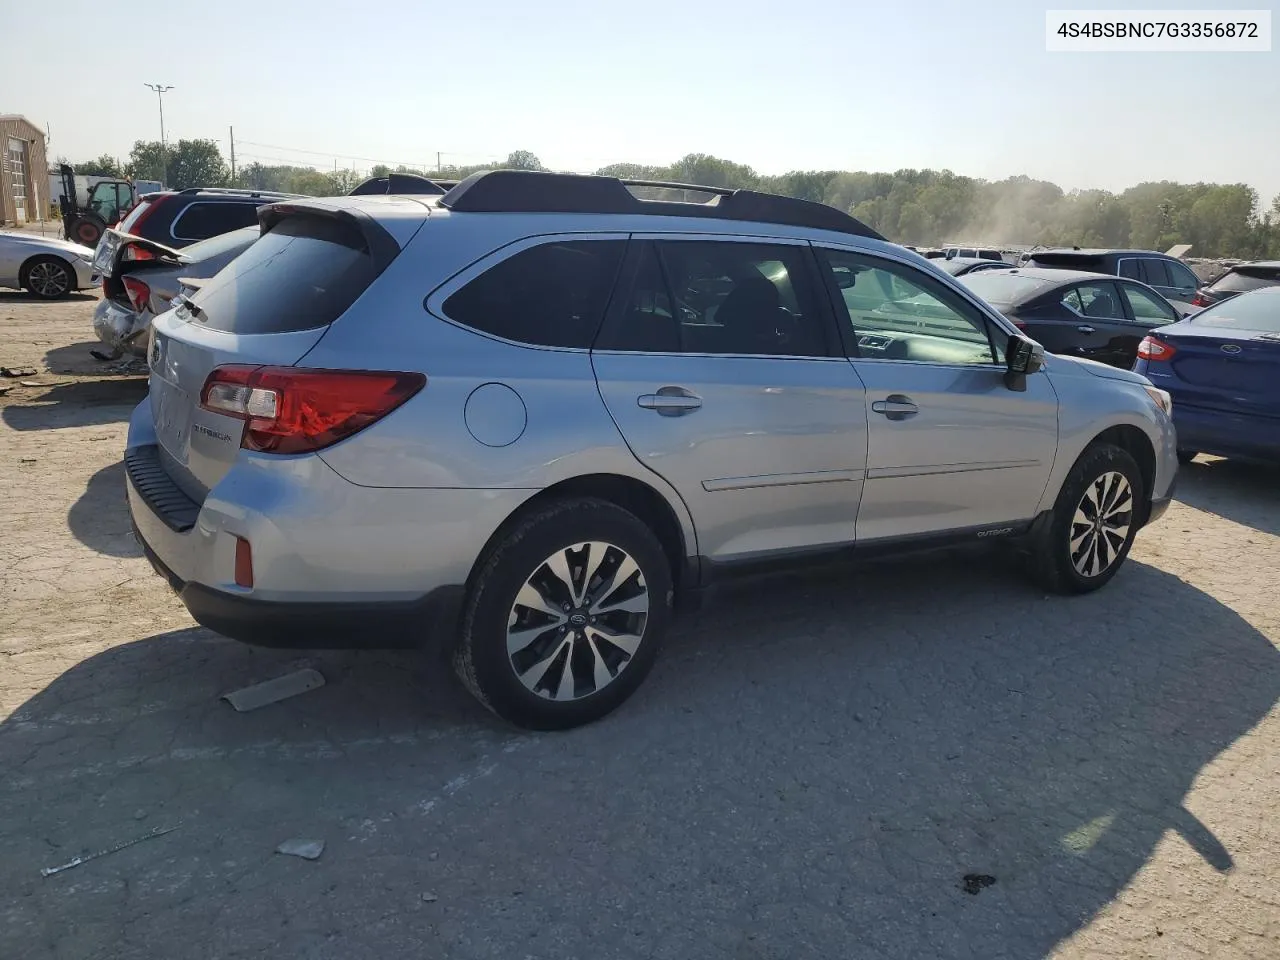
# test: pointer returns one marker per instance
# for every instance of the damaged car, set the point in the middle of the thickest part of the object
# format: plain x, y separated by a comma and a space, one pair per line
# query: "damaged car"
141, 278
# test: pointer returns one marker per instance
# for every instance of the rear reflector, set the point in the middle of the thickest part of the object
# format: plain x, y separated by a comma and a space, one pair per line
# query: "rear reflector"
294, 410
244, 563
139, 293
1155, 350
1200, 300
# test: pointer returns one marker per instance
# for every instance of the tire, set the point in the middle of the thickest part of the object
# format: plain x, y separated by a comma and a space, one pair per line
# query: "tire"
1186, 456
49, 278
88, 230
562, 653
1054, 564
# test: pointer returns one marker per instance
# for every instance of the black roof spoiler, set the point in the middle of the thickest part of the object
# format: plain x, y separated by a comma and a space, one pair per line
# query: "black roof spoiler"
527, 191
402, 184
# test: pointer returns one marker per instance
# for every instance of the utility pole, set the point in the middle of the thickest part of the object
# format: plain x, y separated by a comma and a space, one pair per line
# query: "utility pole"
437, 161
231, 131
161, 90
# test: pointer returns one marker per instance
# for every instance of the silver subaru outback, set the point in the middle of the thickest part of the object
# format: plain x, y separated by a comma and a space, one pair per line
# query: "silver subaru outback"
528, 416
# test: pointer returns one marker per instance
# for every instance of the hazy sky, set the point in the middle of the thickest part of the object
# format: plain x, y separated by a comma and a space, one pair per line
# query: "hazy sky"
814, 84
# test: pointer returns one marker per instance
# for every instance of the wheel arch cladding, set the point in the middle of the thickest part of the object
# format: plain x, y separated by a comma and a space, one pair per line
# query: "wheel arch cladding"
1138, 445
632, 495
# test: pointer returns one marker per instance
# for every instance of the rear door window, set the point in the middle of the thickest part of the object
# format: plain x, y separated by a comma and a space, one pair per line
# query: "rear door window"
1100, 301
729, 298
551, 295
1181, 277
1129, 268
1154, 273
304, 273
202, 220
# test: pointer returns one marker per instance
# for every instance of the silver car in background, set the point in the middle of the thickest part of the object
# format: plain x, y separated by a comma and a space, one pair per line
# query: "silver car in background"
141, 278
47, 267
530, 415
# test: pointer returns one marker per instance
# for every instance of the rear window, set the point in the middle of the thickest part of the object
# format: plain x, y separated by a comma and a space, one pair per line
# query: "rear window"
1242, 281
303, 274
995, 286
551, 295
1253, 311
204, 219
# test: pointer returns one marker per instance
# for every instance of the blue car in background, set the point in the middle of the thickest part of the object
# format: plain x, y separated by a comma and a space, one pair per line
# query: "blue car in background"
1222, 368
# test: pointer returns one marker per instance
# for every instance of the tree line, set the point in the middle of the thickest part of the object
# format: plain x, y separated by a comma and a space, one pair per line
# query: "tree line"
918, 207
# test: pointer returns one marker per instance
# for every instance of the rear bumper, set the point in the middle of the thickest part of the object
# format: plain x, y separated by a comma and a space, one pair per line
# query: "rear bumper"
120, 328
1227, 434
316, 625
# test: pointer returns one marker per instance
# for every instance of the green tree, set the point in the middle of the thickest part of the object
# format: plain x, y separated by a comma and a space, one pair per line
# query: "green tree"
188, 163
105, 166
523, 160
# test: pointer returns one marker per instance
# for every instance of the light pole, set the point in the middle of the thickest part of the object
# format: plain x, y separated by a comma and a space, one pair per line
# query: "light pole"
161, 90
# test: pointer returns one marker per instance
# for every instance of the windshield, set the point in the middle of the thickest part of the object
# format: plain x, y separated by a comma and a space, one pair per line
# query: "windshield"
223, 243
1259, 310
996, 286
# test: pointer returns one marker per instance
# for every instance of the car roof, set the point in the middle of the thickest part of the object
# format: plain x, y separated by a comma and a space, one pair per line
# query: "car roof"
1056, 274
1265, 264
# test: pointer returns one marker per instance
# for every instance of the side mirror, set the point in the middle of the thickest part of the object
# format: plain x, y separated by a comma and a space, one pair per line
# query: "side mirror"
1022, 358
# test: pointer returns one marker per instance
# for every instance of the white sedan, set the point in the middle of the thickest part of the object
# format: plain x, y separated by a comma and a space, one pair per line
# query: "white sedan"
49, 267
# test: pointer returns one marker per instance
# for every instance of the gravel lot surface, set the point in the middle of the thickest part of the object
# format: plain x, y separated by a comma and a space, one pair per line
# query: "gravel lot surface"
812, 770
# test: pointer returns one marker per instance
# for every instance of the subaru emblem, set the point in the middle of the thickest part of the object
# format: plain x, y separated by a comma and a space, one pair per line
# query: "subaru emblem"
1231, 348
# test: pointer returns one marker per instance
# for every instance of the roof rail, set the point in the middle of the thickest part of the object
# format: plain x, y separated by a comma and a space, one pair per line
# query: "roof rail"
528, 191
238, 192
403, 184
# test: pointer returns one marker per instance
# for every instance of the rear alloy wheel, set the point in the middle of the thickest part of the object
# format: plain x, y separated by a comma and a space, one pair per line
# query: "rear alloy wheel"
49, 278
1094, 521
565, 619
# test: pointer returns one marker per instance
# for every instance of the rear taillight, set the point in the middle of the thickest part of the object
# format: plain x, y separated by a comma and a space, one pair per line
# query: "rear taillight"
1156, 350
292, 410
1200, 300
139, 293
135, 252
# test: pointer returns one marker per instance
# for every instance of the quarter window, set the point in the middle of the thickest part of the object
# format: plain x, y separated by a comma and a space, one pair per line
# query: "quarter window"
896, 312
710, 297
551, 295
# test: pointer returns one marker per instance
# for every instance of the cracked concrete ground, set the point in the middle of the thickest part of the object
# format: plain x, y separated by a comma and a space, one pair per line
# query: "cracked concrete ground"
812, 769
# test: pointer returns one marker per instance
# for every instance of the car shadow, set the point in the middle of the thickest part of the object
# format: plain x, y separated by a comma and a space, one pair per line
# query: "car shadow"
1245, 493
13, 296
76, 404
78, 359
100, 517
922, 758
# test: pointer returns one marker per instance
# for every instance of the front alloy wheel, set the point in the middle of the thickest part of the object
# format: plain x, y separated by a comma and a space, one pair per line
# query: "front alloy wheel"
1100, 526
49, 279
577, 621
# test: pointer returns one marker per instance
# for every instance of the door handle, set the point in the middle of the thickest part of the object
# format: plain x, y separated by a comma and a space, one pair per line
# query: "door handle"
896, 407
670, 401
1085, 328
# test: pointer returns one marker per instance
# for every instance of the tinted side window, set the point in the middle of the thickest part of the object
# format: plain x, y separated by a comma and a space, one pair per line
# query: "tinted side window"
1181, 277
200, 221
1129, 267
898, 313
1100, 300
1147, 307
722, 298
551, 295
1154, 273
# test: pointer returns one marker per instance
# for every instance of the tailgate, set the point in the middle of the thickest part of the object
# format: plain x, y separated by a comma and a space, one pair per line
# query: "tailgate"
267, 307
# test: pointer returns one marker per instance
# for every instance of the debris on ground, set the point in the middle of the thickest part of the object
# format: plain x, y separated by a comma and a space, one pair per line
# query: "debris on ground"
429, 898
974, 882
306, 849
77, 861
26, 459
32, 383
18, 371
272, 691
